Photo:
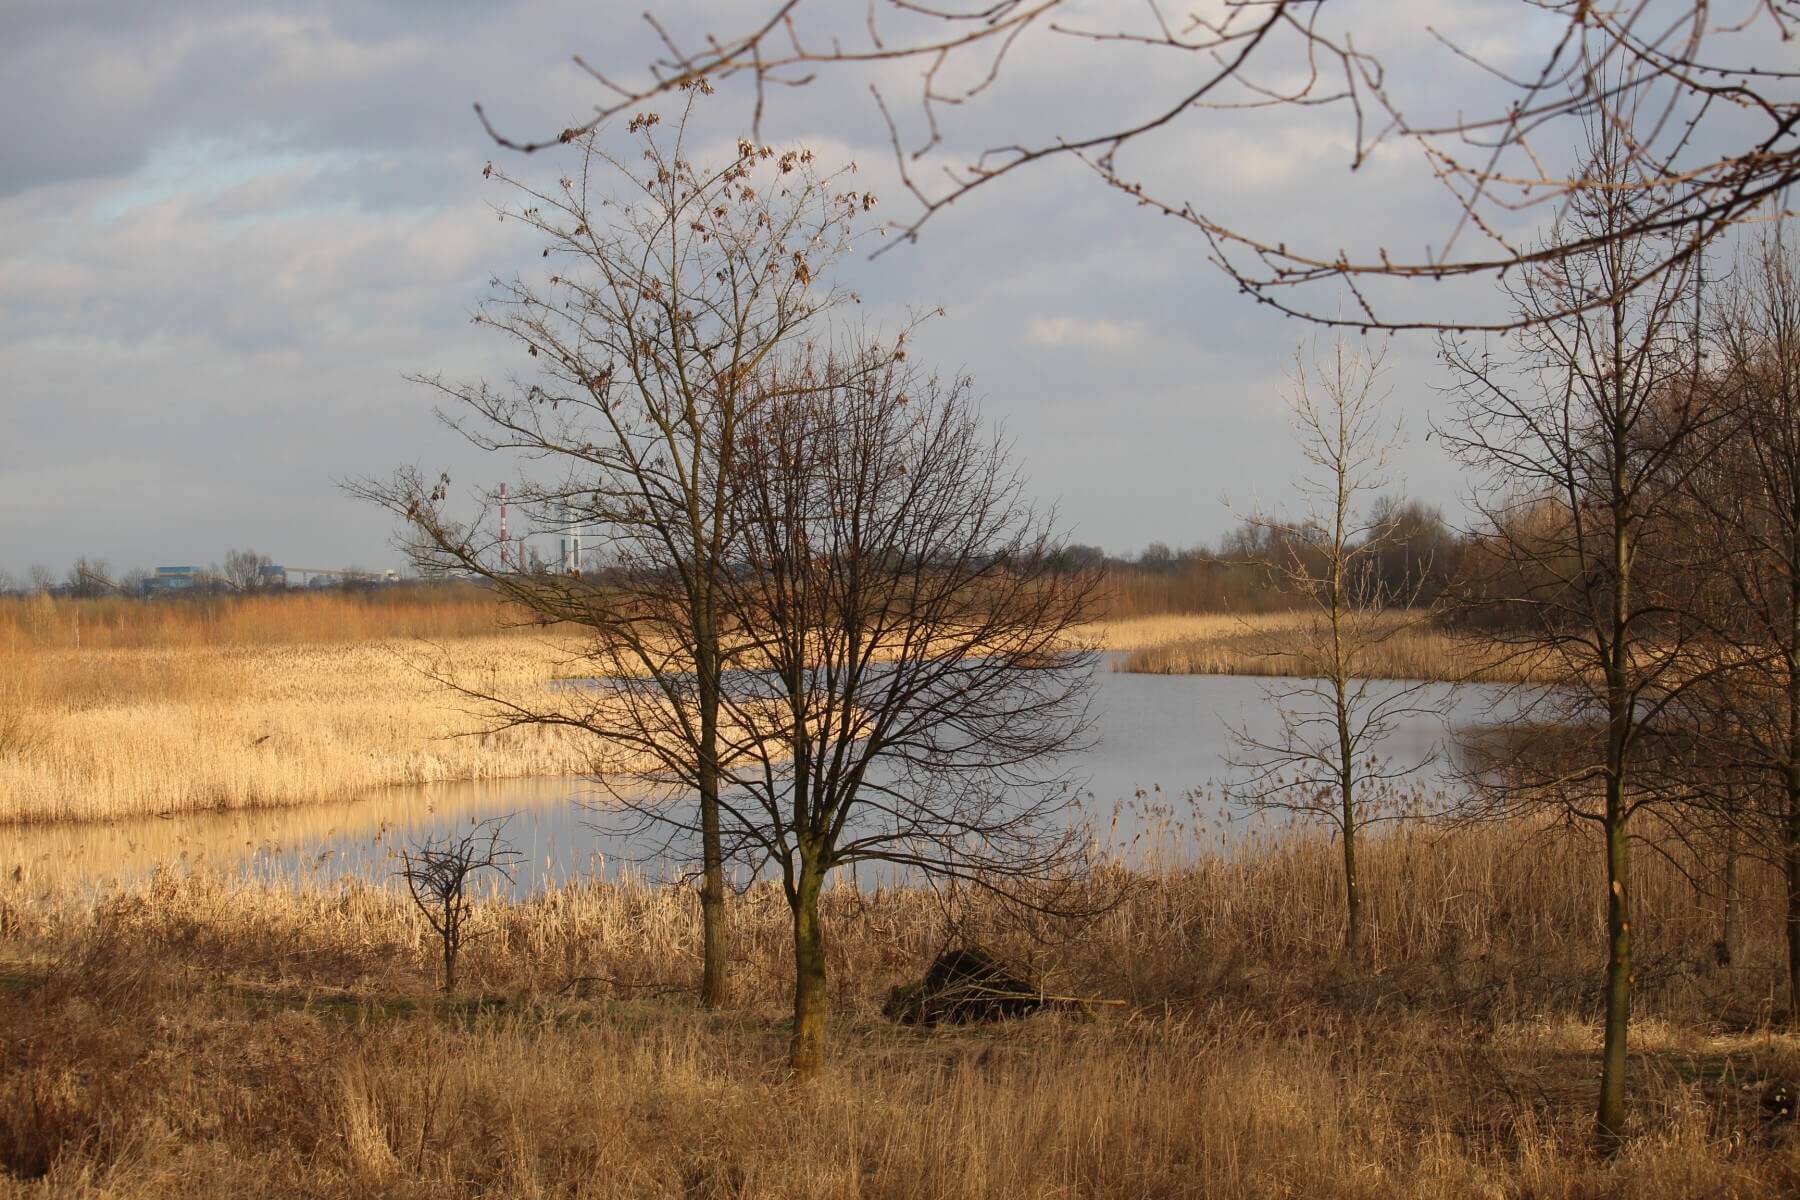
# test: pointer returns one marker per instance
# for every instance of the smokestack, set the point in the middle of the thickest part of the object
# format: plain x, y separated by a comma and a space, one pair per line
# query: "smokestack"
504, 560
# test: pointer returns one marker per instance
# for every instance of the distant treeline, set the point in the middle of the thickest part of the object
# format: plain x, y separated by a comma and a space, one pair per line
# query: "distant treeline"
1417, 560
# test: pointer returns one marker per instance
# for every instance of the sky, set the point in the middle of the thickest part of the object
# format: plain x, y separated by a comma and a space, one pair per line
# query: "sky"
229, 229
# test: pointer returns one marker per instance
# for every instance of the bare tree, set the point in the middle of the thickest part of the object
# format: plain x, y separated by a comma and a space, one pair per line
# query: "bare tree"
1745, 502
670, 286
244, 569
1326, 764
1707, 90
910, 666
1582, 439
90, 577
39, 580
438, 872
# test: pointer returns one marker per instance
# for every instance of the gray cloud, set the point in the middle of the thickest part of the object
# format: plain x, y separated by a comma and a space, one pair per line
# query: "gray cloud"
227, 231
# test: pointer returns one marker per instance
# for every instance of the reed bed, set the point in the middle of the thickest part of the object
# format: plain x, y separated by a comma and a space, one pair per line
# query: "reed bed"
1268, 644
92, 734
206, 1038
277, 700
278, 618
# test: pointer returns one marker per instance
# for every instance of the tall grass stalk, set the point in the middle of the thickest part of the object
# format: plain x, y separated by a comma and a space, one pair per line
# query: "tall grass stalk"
206, 1038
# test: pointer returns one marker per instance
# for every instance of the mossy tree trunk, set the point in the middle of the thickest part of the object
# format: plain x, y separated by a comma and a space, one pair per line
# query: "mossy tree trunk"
806, 1049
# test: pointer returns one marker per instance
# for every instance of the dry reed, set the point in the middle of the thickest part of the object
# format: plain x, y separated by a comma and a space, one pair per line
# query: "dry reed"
205, 1038
43, 622
1267, 644
120, 733
251, 702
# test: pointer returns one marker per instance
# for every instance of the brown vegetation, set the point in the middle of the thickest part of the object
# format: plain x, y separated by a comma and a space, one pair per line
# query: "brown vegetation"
1270, 643
247, 702
281, 618
205, 1038
90, 734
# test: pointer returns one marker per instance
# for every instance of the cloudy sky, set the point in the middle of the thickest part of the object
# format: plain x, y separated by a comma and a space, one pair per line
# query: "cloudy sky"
228, 228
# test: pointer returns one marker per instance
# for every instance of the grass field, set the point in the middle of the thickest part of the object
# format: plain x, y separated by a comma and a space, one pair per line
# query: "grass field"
206, 1039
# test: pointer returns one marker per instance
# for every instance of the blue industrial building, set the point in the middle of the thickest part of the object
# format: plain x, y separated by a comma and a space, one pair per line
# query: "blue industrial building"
173, 579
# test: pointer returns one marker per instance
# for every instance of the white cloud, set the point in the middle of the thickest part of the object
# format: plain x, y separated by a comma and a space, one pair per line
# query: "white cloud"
225, 234
1084, 333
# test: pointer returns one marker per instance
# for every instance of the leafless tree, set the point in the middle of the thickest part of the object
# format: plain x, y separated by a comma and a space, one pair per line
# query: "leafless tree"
911, 665
438, 872
1705, 90
1582, 438
670, 286
90, 577
243, 569
1745, 503
1326, 764
39, 580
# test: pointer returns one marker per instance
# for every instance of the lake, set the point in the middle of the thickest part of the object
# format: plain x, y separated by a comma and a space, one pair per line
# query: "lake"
1151, 780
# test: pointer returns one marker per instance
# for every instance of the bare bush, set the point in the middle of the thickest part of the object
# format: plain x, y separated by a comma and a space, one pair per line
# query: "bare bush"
438, 873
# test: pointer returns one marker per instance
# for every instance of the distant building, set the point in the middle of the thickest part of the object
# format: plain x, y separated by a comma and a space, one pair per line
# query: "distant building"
172, 579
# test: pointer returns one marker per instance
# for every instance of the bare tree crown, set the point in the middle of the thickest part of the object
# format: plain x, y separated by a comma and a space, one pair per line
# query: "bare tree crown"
1703, 95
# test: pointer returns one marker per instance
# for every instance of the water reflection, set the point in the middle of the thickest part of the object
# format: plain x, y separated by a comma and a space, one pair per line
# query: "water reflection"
1152, 776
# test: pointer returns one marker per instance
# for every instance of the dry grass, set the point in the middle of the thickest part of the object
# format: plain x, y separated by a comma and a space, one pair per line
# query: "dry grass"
88, 734
1264, 644
268, 701
115, 708
259, 619
207, 1039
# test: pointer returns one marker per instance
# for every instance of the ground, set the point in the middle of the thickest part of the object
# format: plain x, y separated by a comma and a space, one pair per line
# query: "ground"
207, 1038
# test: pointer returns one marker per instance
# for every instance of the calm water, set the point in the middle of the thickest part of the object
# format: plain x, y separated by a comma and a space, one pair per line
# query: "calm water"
1161, 755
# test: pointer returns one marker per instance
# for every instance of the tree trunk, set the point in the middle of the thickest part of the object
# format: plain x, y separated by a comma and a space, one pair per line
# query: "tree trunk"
450, 936
715, 980
1346, 763
1729, 933
1621, 709
1610, 1125
1793, 894
1353, 948
715, 974
806, 1052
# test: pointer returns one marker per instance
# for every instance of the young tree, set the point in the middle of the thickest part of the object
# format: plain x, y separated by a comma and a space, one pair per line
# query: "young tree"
438, 872
1326, 763
671, 285
911, 662
1745, 501
1585, 433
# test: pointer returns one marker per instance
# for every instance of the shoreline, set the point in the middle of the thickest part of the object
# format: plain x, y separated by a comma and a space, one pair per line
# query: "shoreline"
106, 733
